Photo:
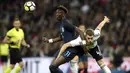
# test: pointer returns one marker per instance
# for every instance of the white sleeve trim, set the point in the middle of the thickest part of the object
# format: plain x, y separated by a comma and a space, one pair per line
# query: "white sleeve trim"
96, 33
77, 42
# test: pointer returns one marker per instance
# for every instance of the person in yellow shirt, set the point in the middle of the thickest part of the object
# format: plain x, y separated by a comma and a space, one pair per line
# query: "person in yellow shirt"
15, 38
4, 53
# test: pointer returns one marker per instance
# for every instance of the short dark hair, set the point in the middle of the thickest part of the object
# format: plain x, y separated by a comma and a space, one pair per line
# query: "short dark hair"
89, 32
61, 7
16, 18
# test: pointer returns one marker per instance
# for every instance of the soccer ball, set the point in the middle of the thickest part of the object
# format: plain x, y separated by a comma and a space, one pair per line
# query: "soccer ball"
29, 6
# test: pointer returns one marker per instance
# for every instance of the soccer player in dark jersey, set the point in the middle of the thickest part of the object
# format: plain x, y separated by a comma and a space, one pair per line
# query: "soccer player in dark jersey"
90, 43
68, 32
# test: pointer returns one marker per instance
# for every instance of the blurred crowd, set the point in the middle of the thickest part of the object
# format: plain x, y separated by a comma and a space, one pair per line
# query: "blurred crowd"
115, 36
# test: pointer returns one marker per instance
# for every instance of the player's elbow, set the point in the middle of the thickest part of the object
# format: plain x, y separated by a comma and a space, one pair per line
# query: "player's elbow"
67, 45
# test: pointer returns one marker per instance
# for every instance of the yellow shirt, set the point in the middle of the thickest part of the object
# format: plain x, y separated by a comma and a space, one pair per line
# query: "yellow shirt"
4, 49
15, 35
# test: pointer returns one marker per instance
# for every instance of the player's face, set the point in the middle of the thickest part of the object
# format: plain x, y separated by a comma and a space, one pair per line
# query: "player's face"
17, 24
60, 14
89, 39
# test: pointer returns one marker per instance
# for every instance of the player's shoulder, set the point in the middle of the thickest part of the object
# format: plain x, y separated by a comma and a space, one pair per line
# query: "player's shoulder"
21, 30
97, 32
11, 30
66, 21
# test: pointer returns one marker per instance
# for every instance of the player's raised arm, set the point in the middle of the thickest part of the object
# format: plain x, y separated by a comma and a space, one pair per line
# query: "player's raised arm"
106, 20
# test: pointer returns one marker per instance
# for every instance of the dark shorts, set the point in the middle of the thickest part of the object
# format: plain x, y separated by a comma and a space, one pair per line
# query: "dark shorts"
4, 58
83, 58
96, 53
71, 52
15, 55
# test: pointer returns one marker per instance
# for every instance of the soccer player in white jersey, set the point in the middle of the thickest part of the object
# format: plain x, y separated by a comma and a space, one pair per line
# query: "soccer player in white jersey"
89, 42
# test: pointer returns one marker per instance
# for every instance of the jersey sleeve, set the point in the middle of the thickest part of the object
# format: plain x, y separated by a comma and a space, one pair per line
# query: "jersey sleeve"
23, 34
69, 26
96, 34
77, 42
9, 34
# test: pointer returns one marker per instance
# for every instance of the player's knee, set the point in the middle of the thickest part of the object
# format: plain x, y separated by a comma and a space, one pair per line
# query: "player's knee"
12, 66
21, 64
105, 68
52, 67
81, 65
85, 64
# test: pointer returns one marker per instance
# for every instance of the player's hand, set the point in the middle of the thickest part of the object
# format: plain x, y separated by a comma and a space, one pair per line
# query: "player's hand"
106, 19
45, 39
28, 46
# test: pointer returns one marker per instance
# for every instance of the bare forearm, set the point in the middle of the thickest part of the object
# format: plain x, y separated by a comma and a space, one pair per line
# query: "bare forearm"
106, 20
6, 40
61, 51
101, 25
57, 39
24, 43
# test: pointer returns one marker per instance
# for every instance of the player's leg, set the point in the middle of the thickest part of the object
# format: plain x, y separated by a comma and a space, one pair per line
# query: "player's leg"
19, 67
10, 68
55, 56
12, 61
66, 57
97, 55
103, 66
83, 64
18, 60
4, 60
54, 67
73, 65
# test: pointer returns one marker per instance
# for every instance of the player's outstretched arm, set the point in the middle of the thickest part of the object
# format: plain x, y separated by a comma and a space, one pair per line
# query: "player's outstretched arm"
106, 20
73, 43
6, 40
63, 48
25, 44
57, 39
52, 40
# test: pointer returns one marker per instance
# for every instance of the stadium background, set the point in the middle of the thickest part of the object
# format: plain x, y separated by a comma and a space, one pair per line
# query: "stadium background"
115, 37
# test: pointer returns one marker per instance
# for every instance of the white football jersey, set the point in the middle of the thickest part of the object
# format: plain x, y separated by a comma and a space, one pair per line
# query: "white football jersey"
78, 41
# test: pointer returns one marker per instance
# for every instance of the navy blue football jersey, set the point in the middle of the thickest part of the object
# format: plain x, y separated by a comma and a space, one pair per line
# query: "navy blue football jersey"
67, 31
